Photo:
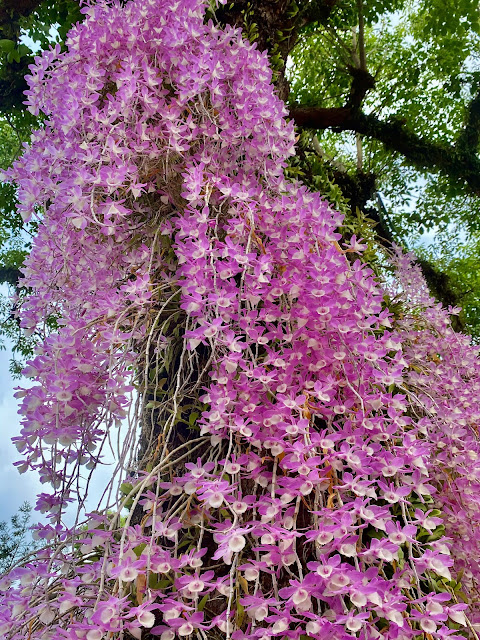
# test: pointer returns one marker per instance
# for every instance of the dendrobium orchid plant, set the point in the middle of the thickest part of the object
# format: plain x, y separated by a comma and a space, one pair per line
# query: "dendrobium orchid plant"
301, 461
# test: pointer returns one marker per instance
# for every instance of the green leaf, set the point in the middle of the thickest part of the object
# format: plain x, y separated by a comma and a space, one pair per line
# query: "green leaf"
7, 45
126, 487
13, 56
158, 585
437, 534
153, 404
23, 50
139, 549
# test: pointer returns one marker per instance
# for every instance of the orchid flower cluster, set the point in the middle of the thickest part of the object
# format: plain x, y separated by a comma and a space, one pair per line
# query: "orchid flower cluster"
300, 462
443, 382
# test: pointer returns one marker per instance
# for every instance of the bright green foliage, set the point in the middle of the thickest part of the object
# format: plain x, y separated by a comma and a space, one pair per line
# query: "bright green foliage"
14, 235
425, 59
424, 77
15, 538
52, 21
49, 23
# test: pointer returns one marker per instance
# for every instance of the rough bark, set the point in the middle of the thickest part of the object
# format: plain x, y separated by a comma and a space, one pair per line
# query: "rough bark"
441, 288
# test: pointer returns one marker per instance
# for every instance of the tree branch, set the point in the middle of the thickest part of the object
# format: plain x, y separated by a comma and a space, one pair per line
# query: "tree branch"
423, 154
321, 118
362, 82
316, 11
440, 285
469, 138
361, 36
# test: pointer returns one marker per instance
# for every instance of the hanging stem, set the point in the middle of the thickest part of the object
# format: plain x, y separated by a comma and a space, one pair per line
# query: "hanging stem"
361, 36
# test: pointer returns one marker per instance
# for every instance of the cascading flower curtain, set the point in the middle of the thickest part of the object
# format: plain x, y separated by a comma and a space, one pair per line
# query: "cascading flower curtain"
301, 461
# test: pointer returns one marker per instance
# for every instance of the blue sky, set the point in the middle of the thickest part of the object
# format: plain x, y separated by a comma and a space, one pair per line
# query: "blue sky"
14, 488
